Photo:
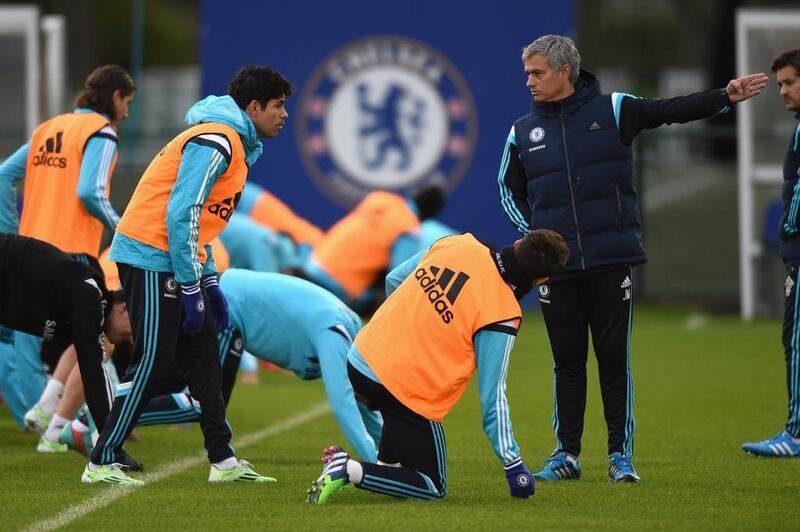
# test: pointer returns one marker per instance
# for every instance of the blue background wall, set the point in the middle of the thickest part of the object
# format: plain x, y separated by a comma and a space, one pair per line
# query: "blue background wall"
483, 40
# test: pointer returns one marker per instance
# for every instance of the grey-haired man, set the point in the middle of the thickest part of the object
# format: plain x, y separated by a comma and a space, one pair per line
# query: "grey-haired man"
568, 166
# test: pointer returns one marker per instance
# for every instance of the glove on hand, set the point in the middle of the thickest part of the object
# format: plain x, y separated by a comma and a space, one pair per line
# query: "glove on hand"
520, 481
219, 306
194, 308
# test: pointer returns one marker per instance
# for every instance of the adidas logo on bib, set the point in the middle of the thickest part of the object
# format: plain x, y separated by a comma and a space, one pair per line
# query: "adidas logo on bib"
434, 284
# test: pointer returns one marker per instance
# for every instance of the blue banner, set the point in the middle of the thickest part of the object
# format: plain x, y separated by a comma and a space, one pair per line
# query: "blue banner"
387, 95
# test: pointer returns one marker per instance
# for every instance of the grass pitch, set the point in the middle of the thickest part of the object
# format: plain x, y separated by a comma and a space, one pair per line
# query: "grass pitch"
703, 385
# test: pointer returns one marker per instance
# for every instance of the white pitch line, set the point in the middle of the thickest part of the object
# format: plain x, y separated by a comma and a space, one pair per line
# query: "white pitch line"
115, 492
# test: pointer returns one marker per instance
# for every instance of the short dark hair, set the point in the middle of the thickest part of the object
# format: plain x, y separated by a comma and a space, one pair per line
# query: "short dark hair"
542, 253
259, 83
111, 298
787, 58
98, 90
116, 296
429, 201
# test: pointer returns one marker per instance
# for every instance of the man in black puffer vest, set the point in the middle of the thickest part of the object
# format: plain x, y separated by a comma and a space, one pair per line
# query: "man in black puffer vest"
568, 167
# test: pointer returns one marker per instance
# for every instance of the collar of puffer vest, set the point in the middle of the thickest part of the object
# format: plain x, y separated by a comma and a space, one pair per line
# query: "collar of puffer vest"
586, 88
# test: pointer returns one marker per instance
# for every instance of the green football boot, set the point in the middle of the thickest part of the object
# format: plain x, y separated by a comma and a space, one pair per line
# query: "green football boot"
241, 472
37, 420
47, 446
333, 478
109, 473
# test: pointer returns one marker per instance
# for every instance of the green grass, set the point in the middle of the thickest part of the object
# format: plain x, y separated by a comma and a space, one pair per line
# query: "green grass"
700, 393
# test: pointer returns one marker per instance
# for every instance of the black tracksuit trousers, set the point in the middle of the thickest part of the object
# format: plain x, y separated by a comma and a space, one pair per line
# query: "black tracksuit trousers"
601, 303
156, 314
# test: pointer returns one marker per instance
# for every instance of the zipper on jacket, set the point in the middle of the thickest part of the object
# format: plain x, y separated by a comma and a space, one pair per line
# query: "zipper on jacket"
569, 182
619, 209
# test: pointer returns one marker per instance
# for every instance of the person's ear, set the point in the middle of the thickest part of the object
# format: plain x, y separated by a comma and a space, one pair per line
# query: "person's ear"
253, 107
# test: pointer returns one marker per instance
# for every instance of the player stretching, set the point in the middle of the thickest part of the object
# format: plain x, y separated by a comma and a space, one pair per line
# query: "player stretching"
452, 309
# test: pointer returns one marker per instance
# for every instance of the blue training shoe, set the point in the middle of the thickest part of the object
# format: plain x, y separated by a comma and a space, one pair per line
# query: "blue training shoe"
620, 468
784, 445
560, 466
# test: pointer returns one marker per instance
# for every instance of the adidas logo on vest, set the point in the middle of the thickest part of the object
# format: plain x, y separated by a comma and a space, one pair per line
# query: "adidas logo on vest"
45, 157
225, 209
437, 296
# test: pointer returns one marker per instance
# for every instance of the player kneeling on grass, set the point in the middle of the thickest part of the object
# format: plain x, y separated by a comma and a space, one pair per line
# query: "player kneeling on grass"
451, 309
297, 326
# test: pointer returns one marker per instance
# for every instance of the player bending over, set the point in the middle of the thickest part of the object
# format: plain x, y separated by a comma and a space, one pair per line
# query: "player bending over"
297, 326
47, 293
451, 309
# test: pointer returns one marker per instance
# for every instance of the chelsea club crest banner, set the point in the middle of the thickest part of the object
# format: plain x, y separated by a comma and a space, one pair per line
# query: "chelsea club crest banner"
388, 95
385, 112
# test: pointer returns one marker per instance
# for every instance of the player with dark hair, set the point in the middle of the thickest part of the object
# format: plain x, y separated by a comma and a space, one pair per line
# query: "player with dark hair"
258, 84
46, 293
72, 152
67, 167
184, 200
452, 309
106, 91
787, 444
377, 235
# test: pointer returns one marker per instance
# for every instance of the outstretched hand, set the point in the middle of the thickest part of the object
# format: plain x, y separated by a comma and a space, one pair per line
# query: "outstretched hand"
740, 89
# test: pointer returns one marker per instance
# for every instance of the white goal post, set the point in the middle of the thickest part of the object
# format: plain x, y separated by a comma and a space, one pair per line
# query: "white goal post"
763, 128
45, 61
23, 22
